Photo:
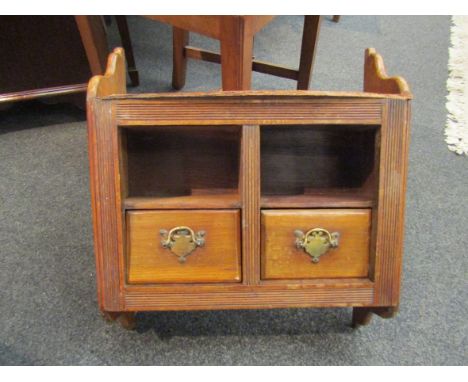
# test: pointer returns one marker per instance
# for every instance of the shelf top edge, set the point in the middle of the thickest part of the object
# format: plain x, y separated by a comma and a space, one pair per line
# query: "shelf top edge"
253, 94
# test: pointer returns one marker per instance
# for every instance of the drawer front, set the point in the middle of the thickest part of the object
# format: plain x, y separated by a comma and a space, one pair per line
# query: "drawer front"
199, 246
303, 244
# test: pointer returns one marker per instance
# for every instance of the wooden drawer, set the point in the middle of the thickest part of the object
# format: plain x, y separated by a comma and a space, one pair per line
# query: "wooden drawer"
213, 257
282, 258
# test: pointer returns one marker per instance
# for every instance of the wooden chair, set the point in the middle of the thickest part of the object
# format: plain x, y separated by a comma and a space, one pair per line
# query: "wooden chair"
236, 34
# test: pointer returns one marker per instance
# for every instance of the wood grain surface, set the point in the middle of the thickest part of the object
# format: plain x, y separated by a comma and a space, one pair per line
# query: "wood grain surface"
208, 161
217, 261
282, 260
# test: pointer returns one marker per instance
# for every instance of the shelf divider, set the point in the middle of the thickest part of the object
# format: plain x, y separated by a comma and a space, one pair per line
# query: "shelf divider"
198, 201
250, 194
325, 199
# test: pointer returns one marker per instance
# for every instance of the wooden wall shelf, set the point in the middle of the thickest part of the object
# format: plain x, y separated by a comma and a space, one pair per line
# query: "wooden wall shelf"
247, 200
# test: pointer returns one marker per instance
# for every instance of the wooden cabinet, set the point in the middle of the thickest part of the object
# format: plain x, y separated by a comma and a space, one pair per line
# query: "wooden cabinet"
242, 200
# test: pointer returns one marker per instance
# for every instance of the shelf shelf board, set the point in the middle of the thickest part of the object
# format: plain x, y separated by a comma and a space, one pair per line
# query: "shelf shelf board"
346, 199
199, 201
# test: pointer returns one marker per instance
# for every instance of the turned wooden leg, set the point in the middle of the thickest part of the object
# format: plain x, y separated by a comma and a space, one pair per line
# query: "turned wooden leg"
127, 45
310, 36
126, 319
180, 39
361, 317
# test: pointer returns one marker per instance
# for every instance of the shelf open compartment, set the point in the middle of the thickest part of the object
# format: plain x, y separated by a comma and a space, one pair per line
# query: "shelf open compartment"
313, 166
166, 167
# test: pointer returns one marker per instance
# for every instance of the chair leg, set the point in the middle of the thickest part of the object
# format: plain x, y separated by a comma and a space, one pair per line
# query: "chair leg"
310, 37
236, 55
93, 36
336, 18
127, 45
180, 39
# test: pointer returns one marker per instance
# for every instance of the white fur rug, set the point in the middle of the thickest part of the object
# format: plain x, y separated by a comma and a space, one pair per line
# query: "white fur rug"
456, 130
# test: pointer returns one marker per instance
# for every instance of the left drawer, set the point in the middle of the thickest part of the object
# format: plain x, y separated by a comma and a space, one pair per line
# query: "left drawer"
190, 246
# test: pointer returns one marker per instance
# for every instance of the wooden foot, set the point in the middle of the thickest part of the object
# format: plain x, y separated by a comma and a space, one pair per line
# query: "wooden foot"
126, 319
362, 316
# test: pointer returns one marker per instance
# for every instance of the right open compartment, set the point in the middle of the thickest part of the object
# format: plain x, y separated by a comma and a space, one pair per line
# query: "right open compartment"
319, 185
319, 166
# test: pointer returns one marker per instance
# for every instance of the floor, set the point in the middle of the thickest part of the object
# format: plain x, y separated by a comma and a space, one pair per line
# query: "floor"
48, 303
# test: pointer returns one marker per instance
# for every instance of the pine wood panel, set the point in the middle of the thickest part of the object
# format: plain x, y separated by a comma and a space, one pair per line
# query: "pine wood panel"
217, 261
282, 260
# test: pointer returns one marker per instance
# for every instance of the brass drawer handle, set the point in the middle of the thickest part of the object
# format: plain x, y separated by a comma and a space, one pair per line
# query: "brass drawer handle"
182, 241
316, 242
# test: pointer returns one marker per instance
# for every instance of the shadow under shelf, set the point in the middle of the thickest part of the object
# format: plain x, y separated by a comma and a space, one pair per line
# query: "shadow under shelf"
225, 200
342, 198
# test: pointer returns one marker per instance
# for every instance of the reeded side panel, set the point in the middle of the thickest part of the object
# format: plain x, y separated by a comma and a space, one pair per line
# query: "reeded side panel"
391, 204
106, 218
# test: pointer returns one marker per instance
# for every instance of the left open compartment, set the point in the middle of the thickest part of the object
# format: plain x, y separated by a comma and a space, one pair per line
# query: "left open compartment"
181, 203
180, 166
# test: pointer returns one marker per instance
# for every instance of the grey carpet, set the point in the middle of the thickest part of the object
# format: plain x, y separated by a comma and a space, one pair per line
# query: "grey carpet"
48, 309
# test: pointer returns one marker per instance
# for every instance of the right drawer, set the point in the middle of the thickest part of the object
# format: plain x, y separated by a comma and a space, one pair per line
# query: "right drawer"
307, 244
